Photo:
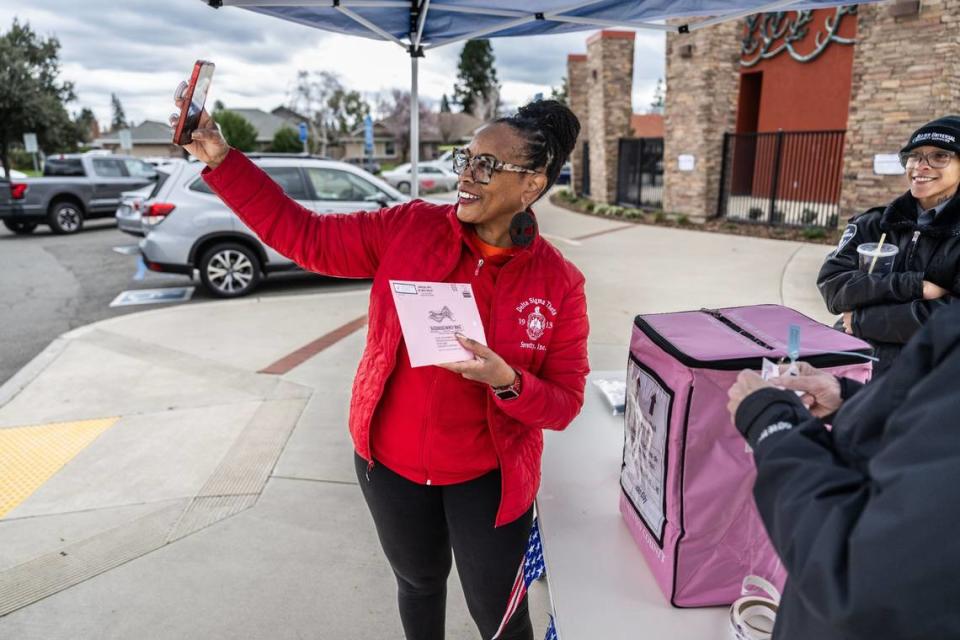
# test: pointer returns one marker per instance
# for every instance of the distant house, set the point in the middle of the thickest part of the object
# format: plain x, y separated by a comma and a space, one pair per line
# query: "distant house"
267, 124
149, 138
436, 131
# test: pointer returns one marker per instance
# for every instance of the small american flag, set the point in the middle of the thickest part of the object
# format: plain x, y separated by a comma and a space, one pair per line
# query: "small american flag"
532, 568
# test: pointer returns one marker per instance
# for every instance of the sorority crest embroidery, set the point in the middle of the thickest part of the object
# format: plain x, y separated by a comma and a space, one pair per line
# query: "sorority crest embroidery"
536, 324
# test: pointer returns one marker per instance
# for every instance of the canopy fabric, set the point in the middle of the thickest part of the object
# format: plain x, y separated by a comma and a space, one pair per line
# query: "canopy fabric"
448, 21
421, 25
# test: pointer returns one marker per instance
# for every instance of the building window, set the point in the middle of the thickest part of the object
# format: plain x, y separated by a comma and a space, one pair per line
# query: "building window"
389, 148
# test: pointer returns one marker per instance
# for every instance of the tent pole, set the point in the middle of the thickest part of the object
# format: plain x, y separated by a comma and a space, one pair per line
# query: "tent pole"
414, 128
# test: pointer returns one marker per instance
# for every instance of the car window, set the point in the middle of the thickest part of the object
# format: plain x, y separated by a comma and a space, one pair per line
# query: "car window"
108, 168
139, 168
290, 180
333, 184
200, 186
429, 170
161, 178
66, 167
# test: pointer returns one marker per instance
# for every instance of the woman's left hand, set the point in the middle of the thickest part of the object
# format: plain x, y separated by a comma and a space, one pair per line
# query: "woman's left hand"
486, 367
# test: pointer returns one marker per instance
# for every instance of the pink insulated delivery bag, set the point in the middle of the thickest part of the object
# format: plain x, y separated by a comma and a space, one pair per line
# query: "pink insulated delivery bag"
687, 475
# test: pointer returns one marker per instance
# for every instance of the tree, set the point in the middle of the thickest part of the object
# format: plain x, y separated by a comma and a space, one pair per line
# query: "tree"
347, 111
394, 111
286, 140
561, 95
444, 104
310, 95
31, 97
477, 90
119, 120
87, 126
656, 106
236, 129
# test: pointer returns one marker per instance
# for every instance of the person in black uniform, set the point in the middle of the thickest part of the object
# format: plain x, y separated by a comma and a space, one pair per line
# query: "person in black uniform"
924, 223
863, 515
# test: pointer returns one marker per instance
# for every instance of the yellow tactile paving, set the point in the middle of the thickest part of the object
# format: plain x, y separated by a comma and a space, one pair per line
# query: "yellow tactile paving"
30, 455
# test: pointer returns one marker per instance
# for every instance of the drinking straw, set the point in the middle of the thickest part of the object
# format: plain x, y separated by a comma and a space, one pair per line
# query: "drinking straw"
876, 254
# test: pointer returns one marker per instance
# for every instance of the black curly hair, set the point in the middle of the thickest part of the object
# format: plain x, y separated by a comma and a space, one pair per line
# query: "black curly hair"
550, 129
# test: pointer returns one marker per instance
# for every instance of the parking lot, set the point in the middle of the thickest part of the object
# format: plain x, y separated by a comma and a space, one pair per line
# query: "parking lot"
54, 283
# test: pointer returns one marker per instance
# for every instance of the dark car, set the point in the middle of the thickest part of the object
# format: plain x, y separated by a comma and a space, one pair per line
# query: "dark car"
565, 172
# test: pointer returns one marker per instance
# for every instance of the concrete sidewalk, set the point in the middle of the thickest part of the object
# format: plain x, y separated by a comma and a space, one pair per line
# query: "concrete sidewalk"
164, 488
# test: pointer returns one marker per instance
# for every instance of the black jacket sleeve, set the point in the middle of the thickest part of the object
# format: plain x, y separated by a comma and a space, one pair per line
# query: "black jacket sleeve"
869, 547
845, 288
895, 323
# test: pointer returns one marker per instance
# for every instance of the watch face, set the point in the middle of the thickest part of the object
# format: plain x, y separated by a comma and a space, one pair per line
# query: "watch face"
507, 394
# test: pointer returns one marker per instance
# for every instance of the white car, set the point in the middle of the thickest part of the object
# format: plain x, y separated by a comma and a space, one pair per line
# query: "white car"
191, 232
14, 174
433, 177
129, 214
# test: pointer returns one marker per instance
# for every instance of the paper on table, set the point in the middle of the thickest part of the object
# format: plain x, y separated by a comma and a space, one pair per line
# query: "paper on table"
430, 314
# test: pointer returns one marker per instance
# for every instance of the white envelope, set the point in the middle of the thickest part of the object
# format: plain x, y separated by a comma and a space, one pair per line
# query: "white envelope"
431, 313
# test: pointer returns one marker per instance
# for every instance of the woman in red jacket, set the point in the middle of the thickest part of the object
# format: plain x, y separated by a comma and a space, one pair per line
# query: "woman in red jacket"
448, 458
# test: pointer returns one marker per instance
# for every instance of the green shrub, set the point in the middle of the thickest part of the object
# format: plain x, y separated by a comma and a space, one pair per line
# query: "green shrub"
814, 233
809, 216
591, 206
660, 217
683, 219
755, 213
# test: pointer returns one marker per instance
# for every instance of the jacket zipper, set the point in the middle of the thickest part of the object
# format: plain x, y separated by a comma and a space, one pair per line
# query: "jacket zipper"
479, 266
912, 250
424, 432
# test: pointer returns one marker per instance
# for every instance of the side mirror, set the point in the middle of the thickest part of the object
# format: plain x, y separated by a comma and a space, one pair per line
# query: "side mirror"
380, 198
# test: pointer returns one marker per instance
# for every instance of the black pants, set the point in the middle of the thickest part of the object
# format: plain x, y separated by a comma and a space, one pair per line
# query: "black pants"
420, 525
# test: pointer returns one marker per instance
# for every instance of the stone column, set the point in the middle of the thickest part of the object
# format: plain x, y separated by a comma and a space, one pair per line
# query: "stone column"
906, 72
703, 74
577, 99
610, 83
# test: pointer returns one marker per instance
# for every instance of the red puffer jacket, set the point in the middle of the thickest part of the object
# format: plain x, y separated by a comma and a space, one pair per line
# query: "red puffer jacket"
422, 241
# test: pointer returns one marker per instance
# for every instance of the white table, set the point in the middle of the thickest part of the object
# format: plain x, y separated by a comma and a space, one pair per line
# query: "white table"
600, 586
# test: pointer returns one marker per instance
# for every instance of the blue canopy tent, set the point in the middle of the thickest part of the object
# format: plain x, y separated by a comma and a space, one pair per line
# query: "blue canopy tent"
418, 26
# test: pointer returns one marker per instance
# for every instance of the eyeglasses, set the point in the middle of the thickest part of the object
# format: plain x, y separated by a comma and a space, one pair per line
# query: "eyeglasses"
935, 159
483, 166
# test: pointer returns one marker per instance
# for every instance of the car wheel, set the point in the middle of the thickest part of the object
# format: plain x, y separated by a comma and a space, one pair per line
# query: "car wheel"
229, 270
20, 228
404, 187
65, 217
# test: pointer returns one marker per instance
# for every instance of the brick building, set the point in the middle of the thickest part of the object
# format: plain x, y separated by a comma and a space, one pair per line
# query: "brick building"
795, 117
600, 85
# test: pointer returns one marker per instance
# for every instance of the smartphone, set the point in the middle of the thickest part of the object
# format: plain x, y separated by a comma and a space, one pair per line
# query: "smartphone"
194, 97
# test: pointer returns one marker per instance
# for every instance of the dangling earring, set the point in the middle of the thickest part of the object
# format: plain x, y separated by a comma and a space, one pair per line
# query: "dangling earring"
523, 228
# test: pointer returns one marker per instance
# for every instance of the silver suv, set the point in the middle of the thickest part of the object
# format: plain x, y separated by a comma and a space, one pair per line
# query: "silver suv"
189, 230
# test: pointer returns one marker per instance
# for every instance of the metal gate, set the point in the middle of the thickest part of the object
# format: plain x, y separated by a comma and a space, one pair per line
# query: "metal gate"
785, 178
640, 173
586, 168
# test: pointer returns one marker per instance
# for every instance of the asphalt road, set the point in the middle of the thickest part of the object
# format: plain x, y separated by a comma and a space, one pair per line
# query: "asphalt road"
51, 284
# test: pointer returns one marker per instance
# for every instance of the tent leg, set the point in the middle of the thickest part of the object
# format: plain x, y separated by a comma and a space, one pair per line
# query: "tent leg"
414, 129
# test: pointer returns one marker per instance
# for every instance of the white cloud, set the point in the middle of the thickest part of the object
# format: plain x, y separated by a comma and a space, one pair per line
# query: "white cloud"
140, 49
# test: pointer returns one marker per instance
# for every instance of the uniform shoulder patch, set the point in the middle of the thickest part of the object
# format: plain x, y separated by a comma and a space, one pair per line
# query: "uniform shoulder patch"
848, 234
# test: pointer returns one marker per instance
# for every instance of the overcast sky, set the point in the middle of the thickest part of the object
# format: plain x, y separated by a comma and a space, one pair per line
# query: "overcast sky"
140, 49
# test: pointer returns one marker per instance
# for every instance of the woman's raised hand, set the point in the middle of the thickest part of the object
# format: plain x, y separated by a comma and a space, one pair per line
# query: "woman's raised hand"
208, 144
